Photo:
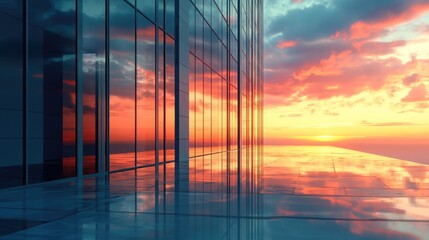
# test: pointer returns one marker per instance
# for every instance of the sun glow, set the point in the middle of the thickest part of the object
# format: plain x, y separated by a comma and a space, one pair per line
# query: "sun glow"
320, 138
367, 84
326, 138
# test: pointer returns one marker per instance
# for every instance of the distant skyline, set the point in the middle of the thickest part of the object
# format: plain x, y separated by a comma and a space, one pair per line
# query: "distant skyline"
347, 71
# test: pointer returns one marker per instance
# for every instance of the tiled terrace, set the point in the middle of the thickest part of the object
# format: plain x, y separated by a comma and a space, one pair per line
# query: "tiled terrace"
308, 193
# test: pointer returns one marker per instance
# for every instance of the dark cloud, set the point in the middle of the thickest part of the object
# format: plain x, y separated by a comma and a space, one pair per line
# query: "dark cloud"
305, 52
320, 21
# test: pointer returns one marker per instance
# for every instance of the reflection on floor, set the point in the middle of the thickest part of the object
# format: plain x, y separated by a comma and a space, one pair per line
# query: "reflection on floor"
308, 193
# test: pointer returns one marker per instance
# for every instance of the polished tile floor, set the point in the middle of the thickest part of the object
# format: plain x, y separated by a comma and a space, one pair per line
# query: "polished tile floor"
307, 193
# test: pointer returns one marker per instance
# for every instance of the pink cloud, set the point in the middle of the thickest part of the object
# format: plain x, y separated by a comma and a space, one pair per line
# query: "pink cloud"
341, 74
410, 79
417, 94
379, 48
344, 65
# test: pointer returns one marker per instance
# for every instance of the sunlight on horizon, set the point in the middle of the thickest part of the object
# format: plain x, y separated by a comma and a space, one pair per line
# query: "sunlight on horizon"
360, 78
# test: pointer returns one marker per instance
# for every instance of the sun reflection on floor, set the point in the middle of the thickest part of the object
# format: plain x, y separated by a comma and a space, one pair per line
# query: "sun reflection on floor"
335, 183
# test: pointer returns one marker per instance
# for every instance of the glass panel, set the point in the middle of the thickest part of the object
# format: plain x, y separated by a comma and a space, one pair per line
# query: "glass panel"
93, 73
199, 106
170, 179
192, 106
224, 115
216, 111
207, 105
161, 16
147, 7
145, 91
51, 90
170, 17
169, 97
199, 40
233, 117
192, 36
122, 85
11, 93
161, 94
207, 43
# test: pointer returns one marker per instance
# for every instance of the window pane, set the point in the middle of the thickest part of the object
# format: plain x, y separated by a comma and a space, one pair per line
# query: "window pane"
170, 17
122, 85
11, 93
93, 73
199, 106
147, 7
51, 90
192, 106
145, 91
161, 94
161, 17
169, 98
207, 105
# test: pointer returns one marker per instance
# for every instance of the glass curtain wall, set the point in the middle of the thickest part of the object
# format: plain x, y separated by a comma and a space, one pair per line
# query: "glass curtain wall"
225, 94
141, 83
225, 101
51, 90
11, 94
123, 73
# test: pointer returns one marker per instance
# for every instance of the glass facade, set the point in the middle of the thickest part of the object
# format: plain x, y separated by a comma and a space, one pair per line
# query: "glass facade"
94, 87
225, 89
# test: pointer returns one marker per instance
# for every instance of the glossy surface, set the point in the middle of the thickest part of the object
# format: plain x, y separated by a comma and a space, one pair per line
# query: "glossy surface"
308, 192
11, 93
86, 87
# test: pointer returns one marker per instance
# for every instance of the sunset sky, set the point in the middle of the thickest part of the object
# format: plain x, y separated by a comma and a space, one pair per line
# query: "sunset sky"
354, 71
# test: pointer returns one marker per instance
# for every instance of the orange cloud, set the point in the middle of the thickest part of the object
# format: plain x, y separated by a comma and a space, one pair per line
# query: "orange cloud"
286, 44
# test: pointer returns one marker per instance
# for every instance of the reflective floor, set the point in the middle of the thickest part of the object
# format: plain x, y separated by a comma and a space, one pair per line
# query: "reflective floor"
307, 193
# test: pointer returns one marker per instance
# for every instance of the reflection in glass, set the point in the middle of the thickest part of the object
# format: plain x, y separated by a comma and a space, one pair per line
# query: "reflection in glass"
145, 91
122, 85
216, 112
161, 95
11, 93
51, 90
170, 16
93, 74
199, 103
207, 110
161, 14
169, 97
147, 7
192, 106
